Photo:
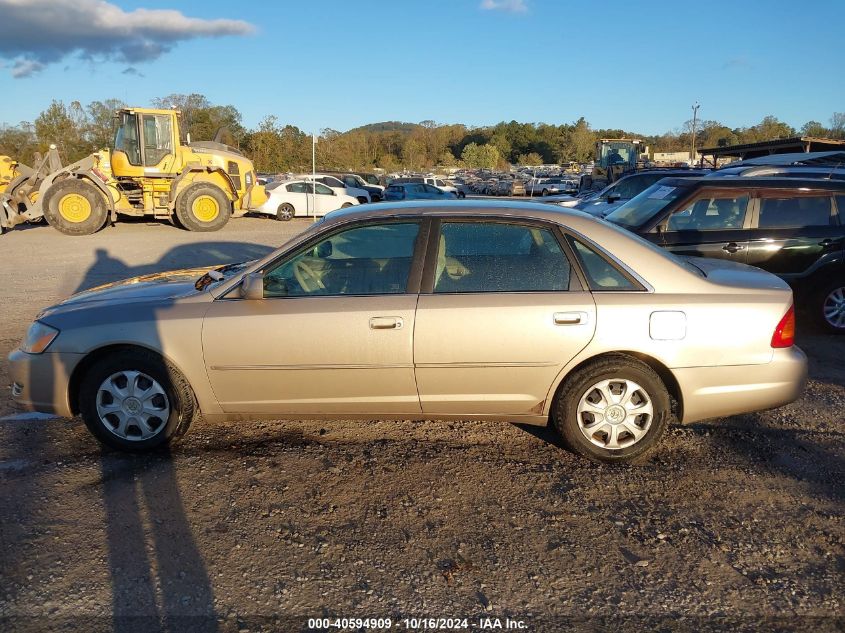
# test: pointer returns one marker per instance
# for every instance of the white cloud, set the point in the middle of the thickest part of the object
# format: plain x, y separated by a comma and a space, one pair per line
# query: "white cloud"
511, 6
40, 32
25, 67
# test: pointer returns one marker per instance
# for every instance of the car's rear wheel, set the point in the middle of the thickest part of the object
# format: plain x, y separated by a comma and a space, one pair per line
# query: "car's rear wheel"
615, 409
285, 212
362, 200
830, 307
346, 205
136, 401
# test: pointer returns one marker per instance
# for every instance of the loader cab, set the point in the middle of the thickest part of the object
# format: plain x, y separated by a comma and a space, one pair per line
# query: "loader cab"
144, 143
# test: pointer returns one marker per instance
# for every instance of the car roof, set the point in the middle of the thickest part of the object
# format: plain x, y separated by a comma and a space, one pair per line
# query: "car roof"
767, 182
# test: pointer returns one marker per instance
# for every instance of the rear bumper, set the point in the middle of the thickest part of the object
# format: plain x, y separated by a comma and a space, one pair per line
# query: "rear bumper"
40, 381
713, 392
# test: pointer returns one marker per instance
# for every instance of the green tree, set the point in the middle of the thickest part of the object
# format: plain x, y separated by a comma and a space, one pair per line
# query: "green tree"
481, 156
61, 126
532, 158
100, 124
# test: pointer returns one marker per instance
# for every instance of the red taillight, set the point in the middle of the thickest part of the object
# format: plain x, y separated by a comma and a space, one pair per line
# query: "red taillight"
784, 335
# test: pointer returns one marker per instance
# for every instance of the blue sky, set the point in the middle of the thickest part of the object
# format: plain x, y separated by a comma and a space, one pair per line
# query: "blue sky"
343, 63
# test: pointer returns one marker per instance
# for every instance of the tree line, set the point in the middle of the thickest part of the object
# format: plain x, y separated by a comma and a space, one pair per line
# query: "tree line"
273, 146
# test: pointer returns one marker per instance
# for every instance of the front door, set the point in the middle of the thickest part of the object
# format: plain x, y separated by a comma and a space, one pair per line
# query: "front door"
713, 224
503, 316
333, 335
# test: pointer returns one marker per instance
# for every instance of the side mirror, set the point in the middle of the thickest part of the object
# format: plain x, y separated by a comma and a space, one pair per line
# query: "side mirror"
252, 286
613, 197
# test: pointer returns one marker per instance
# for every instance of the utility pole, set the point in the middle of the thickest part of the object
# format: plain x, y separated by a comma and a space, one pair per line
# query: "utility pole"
314, 174
694, 120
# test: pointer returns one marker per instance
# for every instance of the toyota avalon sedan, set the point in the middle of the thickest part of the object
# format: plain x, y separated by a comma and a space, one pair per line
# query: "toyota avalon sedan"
499, 311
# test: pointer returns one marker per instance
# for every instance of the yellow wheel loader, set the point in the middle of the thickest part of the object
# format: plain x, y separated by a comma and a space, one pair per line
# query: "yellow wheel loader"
148, 171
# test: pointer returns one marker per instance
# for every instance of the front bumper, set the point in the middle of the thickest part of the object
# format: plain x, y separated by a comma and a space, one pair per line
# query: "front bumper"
714, 392
40, 381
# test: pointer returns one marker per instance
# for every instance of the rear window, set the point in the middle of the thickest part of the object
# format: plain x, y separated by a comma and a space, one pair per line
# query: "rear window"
795, 212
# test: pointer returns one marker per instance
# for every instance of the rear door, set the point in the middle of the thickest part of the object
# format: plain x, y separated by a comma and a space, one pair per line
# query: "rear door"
714, 223
501, 313
793, 230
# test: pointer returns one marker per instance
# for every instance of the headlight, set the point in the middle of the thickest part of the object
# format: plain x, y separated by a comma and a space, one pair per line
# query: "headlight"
38, 338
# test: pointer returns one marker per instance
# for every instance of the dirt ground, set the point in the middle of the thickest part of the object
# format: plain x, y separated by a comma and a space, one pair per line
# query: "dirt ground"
736, 524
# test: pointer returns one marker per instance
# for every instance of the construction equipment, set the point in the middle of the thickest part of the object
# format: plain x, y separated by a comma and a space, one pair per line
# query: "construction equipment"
148, 171
614, 158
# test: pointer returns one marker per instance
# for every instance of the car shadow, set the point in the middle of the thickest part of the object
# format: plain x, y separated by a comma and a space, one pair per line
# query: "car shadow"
159, 580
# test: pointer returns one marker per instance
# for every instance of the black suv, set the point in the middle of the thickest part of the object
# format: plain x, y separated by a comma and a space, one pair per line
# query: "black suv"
792, 227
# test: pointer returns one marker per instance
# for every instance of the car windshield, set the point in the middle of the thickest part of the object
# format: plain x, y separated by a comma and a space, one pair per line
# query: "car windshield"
643, 207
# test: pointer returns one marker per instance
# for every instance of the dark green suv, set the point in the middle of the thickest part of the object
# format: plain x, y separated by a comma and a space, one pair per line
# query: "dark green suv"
792, 227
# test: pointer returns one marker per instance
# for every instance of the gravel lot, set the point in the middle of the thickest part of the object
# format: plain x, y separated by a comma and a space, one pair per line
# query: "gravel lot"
737, 523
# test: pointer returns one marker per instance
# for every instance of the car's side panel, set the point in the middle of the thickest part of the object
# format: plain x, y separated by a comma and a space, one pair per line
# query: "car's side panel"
496, 353
313, 355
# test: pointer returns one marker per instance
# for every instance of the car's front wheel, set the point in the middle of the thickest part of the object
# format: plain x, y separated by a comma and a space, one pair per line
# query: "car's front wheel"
285, 212
134, 400
615, 409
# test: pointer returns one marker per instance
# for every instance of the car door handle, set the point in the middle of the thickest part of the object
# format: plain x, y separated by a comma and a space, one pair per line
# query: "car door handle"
386, 323
732, 247
570, 318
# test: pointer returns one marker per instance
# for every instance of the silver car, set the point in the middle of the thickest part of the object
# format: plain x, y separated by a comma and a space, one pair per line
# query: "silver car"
499, 311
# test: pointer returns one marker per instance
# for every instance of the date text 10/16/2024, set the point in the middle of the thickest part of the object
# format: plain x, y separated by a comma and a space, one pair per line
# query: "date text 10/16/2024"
417, 624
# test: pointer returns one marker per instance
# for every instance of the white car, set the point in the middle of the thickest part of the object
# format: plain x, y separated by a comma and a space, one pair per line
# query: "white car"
296, 198
339, 187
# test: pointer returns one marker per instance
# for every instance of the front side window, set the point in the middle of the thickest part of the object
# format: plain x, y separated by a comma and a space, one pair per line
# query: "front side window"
711, 213
366, 260
126, 138
794, 212
498, 257
431, 189
158, 139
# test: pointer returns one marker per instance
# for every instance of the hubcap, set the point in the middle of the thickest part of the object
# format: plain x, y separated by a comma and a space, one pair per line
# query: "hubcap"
74, 208
205, 208
132, 405
834, 308
615, 414
285, 212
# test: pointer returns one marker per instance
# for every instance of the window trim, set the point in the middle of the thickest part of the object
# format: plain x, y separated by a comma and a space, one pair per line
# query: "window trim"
576, 277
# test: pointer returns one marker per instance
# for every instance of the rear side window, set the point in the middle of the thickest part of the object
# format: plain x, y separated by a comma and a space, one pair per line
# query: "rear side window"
601, 274
795, 212
497, 257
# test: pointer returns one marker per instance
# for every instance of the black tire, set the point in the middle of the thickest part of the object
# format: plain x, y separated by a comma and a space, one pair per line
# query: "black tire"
362, 200
186, 211
828, 307
461, 195
180, 396
579, 385
346, 205
545, 192
74, 206
285, 212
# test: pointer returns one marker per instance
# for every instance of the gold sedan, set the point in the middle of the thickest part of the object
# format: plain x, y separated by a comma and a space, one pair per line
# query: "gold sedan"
500, 311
